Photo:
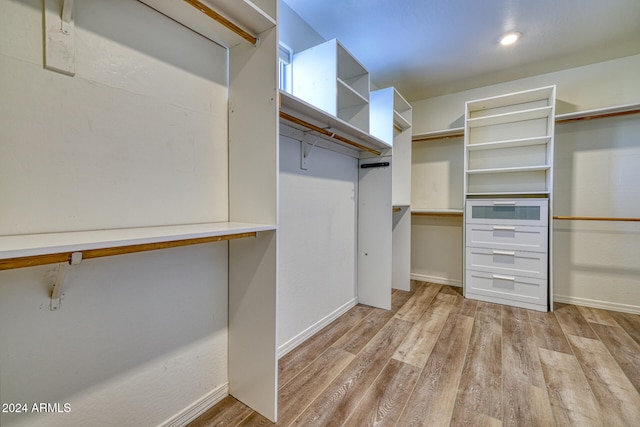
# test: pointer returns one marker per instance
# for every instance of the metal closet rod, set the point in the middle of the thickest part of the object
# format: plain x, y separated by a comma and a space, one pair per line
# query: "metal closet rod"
593, 218
325, 132
222, 20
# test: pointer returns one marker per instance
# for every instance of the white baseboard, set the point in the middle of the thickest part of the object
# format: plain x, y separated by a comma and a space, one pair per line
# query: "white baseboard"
307, 333
198, 408
605, 305
437, 280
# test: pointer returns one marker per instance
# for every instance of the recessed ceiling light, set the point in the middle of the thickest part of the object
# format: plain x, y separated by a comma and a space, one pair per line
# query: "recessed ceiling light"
510, 38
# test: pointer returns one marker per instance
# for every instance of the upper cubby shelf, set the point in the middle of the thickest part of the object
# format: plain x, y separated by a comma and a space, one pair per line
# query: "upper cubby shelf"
510, 117
306, 117
27, 250
226, 22
389, 113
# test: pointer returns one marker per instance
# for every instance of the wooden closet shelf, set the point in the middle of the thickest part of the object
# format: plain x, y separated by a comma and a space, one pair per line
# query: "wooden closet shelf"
29, 250
222, 20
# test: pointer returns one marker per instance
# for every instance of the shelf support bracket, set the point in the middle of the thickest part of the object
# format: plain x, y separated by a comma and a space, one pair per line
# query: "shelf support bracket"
59, 37
58, 287
305, 151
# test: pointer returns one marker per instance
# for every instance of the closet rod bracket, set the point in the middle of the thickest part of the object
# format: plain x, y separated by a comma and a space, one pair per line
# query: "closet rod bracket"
57, 294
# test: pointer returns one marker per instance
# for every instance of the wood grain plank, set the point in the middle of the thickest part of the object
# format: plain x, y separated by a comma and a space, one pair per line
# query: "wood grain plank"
357, 337
572, 321
596, 315
547, 332
520, 361
413, 309
432, 401
630, 323
228, 412
524, 395
419, 342
383, 403
298, 394
624, 349
619, 400
295, 361
527, 405
474, 419
572, 400
340, 398
480, 388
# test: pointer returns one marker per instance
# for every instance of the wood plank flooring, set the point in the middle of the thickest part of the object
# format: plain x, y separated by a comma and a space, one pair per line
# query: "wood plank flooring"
437, 359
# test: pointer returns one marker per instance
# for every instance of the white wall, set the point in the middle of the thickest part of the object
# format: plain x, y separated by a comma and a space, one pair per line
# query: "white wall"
594, 176
136, 138
317, 240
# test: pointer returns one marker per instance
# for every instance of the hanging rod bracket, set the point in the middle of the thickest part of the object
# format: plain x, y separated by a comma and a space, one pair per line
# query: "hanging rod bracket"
57, 294
59, 37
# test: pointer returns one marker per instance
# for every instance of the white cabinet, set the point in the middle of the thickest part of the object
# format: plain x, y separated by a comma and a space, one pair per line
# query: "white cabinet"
508, 191
330, 78
506, 255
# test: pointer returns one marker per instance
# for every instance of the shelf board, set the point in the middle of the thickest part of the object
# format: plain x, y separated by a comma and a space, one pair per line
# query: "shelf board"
400, 121
15, 247
516, 98
512, 143
240, 12
510, 169
349, 97
559, 118
516, 116
306, 112
509, 193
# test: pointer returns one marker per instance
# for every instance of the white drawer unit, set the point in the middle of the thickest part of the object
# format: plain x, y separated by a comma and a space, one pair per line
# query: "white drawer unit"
521, 263
524, 292
514, 237
506, 255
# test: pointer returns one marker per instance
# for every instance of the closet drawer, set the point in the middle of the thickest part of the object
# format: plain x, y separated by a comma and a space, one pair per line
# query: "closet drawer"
502, 287
520, 263
510, 237
532, 212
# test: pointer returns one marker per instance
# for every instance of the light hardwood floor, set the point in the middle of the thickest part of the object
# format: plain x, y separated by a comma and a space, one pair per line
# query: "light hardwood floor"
437, 359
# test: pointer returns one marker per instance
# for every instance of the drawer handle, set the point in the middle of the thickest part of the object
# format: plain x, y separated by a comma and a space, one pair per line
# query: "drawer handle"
504, 253
504, 203
509, 278
504, 227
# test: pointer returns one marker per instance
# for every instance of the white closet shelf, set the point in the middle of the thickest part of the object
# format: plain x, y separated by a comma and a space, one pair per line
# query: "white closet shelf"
400, 121
349, 97
510, 169
305, 112
512, 143
243, 14
516, 116
559, 118
510, 193
126, 240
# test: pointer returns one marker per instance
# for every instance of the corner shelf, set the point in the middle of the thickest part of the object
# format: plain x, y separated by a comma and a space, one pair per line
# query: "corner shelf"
330, 78
336, 130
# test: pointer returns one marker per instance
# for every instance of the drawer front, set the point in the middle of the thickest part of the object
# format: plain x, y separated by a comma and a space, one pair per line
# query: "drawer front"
509, 237
533, 212
519, 263
508, 288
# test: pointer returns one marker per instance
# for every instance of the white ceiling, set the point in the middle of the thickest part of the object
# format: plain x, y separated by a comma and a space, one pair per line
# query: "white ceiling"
432, 47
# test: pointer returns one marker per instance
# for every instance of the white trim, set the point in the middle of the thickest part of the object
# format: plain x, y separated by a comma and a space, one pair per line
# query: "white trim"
437, 280
198, 407
307, 333
605, 305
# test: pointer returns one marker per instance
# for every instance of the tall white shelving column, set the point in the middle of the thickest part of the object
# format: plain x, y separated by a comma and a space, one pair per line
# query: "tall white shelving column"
391, 122
508, 159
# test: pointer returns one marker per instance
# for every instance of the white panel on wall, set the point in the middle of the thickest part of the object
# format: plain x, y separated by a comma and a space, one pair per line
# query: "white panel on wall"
436, 249
317, 237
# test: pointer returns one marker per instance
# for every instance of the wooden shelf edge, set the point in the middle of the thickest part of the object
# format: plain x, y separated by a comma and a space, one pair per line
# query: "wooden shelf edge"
437, 212
438, 134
